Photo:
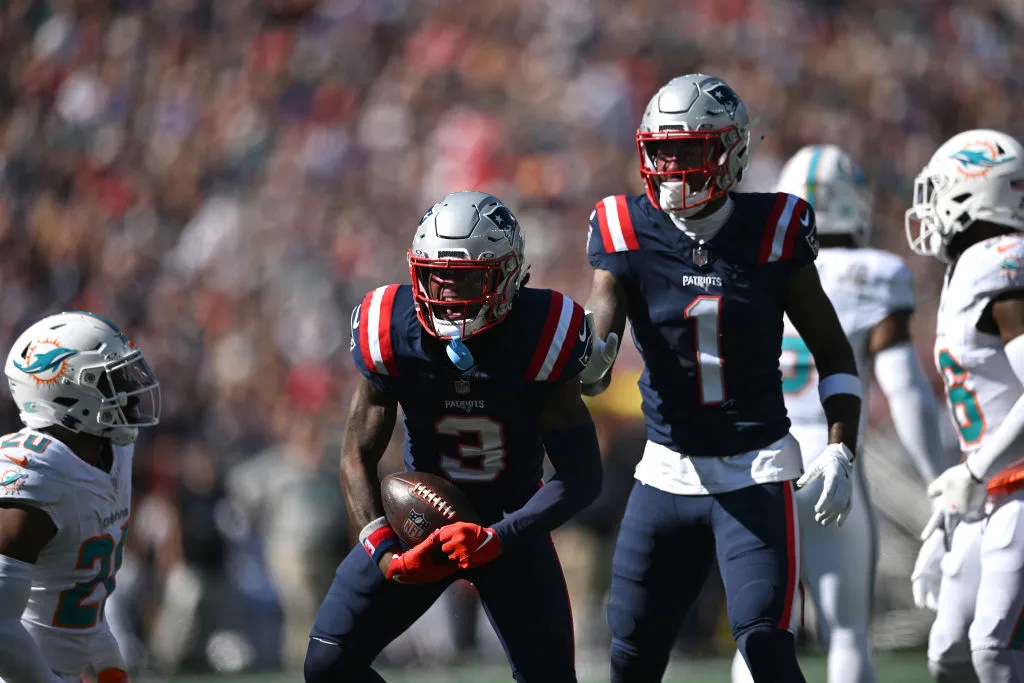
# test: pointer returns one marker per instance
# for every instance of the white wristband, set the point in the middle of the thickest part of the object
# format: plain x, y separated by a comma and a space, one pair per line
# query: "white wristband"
839, 383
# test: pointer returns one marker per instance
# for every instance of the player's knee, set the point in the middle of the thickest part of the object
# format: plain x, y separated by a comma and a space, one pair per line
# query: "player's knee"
630, 664
946, 671
998, 665
329, 663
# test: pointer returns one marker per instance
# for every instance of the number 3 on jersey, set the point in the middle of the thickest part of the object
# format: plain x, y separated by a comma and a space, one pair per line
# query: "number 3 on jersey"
478, 462
963, 403
706, 312
71, 612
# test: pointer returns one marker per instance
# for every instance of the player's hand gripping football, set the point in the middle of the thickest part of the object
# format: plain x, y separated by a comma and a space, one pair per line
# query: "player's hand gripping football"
603, 356
469, 545
423, 563
833, 467
957, 496
927, 575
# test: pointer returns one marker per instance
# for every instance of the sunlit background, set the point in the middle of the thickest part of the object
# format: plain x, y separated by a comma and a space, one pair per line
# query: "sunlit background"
227, 178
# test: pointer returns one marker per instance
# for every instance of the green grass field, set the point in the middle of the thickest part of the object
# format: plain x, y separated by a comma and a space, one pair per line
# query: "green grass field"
892, 667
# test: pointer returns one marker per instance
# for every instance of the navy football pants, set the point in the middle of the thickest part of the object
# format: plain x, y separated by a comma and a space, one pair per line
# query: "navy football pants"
523, 594
663, 555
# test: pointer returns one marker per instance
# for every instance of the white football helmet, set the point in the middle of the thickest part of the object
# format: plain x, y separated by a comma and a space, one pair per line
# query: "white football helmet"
467, 264
707, 113
977, 175
830, 181
79, 371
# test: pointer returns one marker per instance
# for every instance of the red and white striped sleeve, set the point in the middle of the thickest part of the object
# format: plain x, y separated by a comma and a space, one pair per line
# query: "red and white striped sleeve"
789, 232
564, 342
612, 234
373, 349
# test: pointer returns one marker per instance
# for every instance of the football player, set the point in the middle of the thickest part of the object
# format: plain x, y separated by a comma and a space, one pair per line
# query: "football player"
705, 274
968, 210
83, 391
487, 373
873, 294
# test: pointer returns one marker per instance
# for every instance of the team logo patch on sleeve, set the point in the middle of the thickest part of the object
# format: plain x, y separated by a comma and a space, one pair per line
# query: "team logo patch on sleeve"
12, 480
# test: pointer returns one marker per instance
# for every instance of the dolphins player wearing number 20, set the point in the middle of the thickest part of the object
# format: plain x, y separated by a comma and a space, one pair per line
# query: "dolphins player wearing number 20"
84, 391
705, 275
487, 373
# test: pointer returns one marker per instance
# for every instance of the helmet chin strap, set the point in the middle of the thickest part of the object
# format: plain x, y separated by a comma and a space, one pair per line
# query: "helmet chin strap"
123, 436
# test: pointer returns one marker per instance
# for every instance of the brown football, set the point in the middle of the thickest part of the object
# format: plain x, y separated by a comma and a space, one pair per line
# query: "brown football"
417, 503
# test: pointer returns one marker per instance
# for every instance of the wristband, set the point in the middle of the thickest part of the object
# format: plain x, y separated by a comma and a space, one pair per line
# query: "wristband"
839, 383
378, 538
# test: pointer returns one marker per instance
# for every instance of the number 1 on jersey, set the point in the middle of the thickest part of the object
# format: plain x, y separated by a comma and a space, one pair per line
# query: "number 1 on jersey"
706, 312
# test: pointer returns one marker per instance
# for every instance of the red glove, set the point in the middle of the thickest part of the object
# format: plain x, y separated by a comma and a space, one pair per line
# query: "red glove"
112, 676
423, 564
471, 545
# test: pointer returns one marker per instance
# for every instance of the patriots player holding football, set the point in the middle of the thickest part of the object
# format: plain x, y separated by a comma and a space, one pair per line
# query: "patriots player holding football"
84, 391
486, 371
873, 294
704, 275
968, 210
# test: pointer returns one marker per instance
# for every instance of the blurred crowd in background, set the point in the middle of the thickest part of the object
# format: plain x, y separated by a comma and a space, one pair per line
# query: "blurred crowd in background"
227, 178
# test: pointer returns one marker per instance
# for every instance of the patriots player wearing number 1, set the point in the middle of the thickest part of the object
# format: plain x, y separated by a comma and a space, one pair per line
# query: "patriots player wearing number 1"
84, 391
968, 210
486, 371
705, 275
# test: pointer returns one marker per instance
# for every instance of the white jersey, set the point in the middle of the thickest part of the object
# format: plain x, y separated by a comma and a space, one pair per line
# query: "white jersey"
74, 574
865, 286
981, 387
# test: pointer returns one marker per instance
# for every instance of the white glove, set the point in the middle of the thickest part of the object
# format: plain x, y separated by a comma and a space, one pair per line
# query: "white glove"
927, 575
957, 496
833, 467
602, 357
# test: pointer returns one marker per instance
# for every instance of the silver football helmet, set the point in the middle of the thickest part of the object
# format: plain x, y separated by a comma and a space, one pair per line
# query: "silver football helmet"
830, 181
79, 371
467, 264
701, 124
977, 175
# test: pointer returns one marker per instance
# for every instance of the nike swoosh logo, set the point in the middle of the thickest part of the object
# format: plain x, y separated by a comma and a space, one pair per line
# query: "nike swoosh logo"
20, 462
805, 220
486, 541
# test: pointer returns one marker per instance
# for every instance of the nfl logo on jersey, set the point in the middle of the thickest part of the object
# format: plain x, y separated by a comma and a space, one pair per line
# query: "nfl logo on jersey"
462, 387
415, 525
700, 256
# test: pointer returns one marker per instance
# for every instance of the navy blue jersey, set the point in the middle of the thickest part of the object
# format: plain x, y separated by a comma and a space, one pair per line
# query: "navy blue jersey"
707, 320
479, 428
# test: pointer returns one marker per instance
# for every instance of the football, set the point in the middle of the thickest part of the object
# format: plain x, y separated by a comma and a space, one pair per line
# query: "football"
417, 503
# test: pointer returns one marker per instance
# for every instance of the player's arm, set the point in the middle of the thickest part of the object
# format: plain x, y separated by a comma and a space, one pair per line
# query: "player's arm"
606, 313
959, 492
1003, 446
371, 420
912, 404
811, 312
570, 439
24, 532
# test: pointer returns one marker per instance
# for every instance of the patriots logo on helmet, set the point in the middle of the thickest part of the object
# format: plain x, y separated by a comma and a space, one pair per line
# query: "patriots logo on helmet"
503, 218
725, 96
416, 525
978, 158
